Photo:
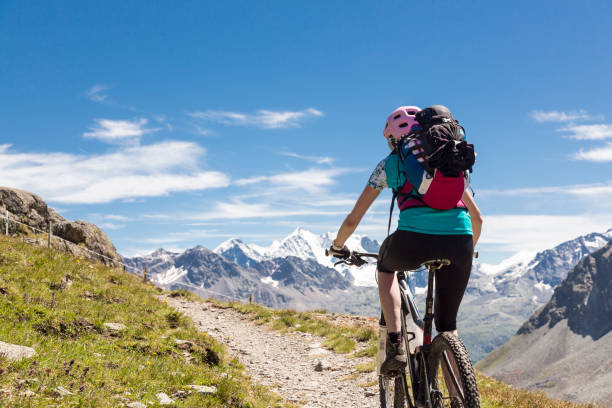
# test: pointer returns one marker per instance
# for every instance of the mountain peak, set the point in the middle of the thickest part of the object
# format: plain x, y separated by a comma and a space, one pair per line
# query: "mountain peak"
161, 251
227, 244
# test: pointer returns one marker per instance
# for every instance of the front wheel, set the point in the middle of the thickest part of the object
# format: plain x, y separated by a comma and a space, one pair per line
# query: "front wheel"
392, 391
453, 383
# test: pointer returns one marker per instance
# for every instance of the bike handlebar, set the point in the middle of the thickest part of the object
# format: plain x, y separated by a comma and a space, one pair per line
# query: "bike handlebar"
356, 258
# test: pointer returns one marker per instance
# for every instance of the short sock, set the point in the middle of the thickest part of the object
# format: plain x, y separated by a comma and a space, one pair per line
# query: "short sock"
395, 337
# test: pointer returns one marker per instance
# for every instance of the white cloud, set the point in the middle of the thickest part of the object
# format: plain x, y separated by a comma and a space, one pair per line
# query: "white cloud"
116, 217
262, 118
316, 159
589, 132
110, 226
132, 172
594, 190
311, 180
601, 154
236, 209
96, 93
280, 197
557, 116
118, 130
200, 131
539, 232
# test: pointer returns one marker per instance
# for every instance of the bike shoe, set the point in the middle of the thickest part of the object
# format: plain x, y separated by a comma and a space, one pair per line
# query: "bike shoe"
395, 362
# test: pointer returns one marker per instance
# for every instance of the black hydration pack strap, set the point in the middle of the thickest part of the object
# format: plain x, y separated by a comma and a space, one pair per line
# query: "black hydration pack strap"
395, 194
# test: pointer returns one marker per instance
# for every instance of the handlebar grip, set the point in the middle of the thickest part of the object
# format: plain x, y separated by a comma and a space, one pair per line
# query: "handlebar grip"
475, 254
327, 252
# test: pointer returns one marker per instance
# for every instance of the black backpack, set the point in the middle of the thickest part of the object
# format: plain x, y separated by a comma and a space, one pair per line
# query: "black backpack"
441, 143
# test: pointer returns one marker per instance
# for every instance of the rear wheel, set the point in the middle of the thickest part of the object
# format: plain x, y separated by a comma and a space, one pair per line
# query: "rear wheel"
452, 375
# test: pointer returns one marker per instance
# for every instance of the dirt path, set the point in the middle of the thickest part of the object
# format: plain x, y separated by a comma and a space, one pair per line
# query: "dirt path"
287, 363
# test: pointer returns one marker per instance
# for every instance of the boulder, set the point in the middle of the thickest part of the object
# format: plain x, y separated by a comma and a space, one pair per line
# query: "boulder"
136, 404
203, 389
115, 327
164, 399
62, 392
14, 352
30, 209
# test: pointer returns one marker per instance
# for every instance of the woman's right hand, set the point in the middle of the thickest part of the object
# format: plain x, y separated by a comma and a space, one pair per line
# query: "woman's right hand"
340, 253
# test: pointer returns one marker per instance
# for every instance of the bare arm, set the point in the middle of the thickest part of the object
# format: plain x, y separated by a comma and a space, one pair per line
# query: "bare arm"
475, 214
350, 223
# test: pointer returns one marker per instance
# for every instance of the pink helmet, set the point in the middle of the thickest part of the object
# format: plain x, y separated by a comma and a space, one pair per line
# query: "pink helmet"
401, 122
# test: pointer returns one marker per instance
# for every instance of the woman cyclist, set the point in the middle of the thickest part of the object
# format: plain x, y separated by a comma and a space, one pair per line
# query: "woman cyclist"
423, 234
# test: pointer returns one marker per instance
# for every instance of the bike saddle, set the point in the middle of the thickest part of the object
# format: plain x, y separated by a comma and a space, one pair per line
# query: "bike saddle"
436, 264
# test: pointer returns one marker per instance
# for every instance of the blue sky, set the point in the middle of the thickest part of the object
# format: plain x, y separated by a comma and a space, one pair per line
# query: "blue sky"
176, 124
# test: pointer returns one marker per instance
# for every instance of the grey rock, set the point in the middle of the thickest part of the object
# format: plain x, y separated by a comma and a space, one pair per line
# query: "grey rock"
31, 210
136, 404
62, 392
14, 352
184, 344
27, 393
164, 399
115, 326
203, 389
181, 394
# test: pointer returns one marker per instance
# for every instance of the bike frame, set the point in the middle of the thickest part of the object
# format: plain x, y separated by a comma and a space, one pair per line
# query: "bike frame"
420, 332
413, 325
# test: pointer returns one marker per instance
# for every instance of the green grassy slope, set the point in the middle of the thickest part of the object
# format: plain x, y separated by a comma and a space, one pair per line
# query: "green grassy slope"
58, 305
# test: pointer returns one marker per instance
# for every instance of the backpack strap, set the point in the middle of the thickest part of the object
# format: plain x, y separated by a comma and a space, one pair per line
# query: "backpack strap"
395, 194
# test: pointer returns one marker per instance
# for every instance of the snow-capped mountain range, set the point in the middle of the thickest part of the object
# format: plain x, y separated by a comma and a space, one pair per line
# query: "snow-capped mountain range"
305, 245
294, 272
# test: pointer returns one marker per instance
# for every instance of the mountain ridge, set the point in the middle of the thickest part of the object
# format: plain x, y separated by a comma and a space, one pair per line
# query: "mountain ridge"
572, 333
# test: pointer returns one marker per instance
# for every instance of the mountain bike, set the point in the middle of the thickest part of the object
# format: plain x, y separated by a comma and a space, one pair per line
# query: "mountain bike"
439, 373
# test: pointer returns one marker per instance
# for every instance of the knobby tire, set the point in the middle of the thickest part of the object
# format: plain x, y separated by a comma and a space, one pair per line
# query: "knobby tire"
391, 391
452, 374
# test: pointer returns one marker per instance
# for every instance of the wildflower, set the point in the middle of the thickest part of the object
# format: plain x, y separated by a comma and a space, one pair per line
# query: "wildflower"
148, 362
203, 333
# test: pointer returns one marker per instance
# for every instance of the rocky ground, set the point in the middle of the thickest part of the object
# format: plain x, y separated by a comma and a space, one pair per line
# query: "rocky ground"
292, 364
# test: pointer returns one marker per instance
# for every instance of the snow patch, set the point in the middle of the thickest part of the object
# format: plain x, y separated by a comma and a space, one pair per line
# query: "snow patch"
171, 275
521, 258
269, 281
543, 287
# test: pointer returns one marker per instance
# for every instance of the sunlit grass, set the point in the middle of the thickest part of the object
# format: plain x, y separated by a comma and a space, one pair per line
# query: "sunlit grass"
341, 339
59, 305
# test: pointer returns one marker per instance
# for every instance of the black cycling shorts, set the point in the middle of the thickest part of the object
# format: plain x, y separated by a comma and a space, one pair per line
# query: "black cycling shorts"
406, 250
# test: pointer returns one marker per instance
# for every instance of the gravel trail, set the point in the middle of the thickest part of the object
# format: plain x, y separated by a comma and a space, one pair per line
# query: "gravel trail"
292, 364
